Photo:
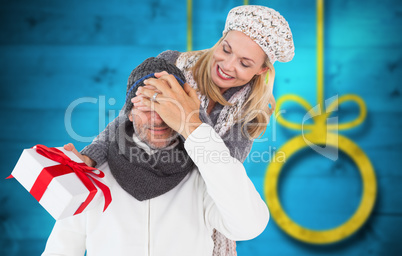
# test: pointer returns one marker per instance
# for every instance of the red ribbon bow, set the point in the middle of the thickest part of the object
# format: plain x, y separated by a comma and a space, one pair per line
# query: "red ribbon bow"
85, 173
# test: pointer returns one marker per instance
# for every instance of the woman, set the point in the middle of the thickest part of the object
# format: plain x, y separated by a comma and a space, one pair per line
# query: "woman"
233, 81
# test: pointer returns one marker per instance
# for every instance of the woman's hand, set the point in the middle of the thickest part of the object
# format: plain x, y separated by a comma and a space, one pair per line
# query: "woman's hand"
177, 106
137, 100
88, 161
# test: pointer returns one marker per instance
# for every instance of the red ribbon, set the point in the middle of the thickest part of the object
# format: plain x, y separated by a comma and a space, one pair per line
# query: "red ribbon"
84, 173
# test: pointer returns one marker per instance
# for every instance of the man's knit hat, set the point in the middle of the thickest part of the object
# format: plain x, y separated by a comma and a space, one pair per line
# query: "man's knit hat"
146, 70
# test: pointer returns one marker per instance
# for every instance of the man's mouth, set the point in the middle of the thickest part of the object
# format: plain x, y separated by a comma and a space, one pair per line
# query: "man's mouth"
222, 74
159, 130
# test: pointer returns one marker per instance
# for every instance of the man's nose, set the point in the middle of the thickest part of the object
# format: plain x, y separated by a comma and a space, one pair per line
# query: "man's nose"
156, 118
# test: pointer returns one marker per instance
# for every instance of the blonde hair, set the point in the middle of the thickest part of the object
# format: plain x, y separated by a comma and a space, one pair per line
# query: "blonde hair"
255, 112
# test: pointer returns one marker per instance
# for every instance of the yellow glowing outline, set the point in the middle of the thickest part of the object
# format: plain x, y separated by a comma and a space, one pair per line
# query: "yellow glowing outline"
318, 136
189, 25
353, 223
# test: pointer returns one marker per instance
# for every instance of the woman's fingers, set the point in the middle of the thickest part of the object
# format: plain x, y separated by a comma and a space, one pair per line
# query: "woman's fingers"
137, 102
178, 106
171, 81
159, 74
158, 83
165, 83
150, 87
148, 93
150, 105
191, 92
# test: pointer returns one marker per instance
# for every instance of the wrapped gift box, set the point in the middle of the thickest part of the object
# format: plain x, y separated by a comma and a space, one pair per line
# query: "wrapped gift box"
66, 193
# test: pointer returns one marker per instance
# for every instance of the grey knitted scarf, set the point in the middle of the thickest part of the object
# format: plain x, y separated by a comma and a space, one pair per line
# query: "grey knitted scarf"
142, 175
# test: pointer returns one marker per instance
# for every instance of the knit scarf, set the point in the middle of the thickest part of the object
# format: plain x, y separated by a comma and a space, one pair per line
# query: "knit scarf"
143, 175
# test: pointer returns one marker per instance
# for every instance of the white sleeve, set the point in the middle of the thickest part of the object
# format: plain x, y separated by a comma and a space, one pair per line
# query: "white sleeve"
68, 237
232, 204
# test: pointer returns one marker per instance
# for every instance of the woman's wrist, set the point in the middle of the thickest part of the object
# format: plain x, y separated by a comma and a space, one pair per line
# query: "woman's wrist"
191, 125
190, 129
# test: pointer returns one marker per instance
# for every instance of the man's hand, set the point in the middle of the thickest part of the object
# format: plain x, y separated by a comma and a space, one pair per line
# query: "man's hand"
88, 161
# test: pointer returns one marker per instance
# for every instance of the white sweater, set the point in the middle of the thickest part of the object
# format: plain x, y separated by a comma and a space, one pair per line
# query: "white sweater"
216, 194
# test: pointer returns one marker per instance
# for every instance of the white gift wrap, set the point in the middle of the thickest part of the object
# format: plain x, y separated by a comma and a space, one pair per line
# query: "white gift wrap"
65, 193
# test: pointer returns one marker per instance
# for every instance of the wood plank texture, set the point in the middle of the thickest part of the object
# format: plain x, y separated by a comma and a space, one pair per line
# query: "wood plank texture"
54, 54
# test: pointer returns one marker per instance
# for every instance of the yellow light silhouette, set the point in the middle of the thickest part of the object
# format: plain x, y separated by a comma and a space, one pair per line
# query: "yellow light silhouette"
321, 133
189, 25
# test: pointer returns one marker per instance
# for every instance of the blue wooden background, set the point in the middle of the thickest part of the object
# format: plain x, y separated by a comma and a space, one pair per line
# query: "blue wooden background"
55, 55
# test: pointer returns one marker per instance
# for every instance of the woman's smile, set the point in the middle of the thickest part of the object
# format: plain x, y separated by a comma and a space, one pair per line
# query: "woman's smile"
222, 74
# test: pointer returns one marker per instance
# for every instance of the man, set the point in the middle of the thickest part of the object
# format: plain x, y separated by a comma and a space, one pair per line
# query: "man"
167, 196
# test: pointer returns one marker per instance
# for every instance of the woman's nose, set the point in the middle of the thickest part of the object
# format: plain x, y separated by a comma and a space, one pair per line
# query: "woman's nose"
229, 63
